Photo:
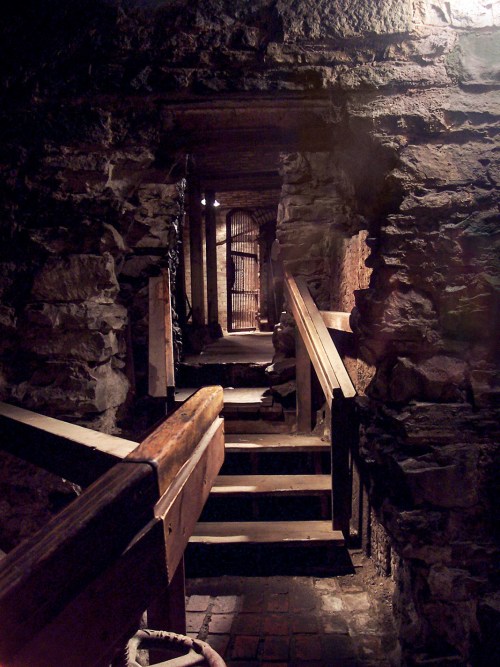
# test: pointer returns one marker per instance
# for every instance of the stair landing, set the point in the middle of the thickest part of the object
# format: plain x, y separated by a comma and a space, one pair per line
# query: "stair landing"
236, 348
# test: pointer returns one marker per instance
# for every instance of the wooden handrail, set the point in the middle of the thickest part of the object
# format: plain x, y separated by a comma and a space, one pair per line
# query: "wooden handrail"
324, 356
78, 454
315, 346
71, 593
335, 319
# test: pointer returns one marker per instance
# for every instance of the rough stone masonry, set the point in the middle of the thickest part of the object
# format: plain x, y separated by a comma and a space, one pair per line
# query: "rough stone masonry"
406, 180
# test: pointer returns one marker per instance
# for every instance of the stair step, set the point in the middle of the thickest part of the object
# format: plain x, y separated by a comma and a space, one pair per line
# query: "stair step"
274, 442
235, 398
259, 426
270, 485
268, 532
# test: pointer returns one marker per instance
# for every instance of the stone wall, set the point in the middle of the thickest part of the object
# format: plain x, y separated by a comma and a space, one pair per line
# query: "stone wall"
408, 159
427, 321
89, 226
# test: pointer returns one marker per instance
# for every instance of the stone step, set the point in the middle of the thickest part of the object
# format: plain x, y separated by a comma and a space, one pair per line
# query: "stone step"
267, 532
271, 485
274, 443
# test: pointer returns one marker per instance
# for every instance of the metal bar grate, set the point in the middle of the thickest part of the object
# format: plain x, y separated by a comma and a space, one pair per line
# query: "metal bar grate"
243, 271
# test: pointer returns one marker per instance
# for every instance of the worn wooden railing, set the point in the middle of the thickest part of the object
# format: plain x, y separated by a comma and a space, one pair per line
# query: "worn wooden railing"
75, 591
315, 347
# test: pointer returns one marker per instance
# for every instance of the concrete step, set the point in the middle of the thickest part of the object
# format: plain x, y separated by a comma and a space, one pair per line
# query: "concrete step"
271, 485
274, 443
267, 532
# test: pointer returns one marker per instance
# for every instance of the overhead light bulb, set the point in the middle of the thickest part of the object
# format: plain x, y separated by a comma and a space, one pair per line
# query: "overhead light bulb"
204, 202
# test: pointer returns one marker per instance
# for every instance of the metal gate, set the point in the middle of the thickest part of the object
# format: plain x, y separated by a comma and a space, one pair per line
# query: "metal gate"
242, 271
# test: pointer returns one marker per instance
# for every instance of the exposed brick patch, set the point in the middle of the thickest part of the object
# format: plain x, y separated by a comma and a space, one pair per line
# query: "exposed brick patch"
278, 602
364, 623
221, 623
331, 603
245, 647
219, 643
194, 621
198, 603
326, 635
337, 647
327, 585
248, 624
276, 648
356, 601
276, 624
253, 603
334, 624
304, 623
307, 647
225, 604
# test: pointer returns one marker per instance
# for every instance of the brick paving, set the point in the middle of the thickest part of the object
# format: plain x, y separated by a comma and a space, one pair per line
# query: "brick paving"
342, 621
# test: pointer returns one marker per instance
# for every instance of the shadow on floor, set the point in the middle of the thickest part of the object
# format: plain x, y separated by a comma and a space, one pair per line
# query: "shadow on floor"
267, 560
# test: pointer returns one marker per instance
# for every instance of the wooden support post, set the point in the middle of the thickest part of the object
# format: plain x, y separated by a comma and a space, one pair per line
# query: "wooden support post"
303, 380
161, 345
168, 611
180, 280
211, 243
344, 431
196, 252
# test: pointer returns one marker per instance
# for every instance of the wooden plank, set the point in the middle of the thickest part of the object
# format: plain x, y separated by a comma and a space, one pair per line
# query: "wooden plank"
41, 576
251, 397
211, 245
277, 532
96, 622
168, 609
70, 594
345, 432
196, 252
256, 426
307, 331
270, 442
324, 355
174, 441
343, 379
180, 507
269, 485
160, 340
335, 319
304, 386
78, 454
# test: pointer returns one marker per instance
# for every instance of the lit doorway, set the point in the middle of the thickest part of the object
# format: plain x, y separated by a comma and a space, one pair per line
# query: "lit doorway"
242, 232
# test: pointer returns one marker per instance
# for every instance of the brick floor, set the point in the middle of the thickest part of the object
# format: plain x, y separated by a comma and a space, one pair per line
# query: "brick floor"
245, 647
340, 621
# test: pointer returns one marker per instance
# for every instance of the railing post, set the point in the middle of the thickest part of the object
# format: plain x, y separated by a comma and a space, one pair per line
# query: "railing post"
344, 435
168, 610
303, 369
196, 252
